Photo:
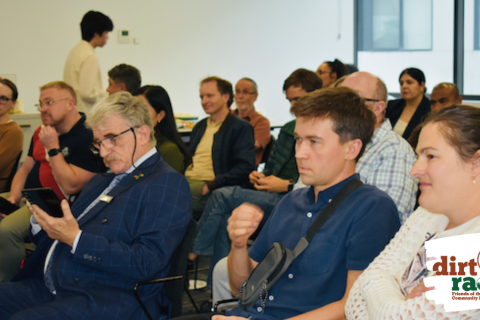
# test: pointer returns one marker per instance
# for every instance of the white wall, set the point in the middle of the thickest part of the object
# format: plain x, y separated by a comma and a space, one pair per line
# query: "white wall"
181, 42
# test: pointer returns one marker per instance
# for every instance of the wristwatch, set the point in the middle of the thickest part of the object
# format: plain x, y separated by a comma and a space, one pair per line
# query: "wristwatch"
53, 152
291, 183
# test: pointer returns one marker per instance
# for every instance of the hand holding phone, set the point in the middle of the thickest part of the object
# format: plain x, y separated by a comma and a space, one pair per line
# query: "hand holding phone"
53, 215
6, 207
46, 199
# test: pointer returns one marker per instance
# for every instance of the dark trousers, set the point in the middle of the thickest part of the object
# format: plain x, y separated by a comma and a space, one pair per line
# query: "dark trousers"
27, 300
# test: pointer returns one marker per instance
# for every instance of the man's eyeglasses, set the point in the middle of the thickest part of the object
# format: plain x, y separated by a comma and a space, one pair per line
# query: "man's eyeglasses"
371, 100
4, 100
108, 142
48, 104
244, 92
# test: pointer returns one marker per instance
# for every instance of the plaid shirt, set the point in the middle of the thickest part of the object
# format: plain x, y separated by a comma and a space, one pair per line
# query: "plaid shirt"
386, 164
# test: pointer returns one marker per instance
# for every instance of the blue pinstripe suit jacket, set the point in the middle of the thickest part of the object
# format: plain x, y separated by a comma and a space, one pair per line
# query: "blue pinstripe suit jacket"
127, 240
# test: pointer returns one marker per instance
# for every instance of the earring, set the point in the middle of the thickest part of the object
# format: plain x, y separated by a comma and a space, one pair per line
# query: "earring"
474, 181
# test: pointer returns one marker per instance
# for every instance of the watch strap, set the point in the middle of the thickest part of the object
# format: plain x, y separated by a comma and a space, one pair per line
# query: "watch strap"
53, 152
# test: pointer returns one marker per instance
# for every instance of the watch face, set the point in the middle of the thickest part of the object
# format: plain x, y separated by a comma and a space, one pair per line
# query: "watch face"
53, 152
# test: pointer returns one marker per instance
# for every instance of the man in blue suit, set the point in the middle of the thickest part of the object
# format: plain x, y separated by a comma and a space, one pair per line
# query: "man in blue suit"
122, 229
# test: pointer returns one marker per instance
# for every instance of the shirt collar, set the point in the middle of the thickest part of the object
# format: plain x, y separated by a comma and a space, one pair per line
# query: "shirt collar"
87, 44
142, 159
380, 133
78, 127
328, 194
250, 115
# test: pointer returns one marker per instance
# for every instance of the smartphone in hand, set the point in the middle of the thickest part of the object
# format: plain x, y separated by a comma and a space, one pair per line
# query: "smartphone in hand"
46, 199
6, 207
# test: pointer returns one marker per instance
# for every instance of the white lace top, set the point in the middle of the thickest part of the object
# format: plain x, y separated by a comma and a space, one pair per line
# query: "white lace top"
377, 295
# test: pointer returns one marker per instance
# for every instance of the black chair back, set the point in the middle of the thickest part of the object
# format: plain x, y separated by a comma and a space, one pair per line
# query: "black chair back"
174, 283
11, 175
174, 289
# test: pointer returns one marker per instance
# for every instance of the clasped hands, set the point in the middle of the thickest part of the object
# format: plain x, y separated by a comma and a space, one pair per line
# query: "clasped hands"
63, 229
269, 184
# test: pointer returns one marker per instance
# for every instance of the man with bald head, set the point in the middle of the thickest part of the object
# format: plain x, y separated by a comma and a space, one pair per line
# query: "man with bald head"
388, 158
444, 95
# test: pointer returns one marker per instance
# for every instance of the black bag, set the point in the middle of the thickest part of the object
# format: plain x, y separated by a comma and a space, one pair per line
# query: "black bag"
278, 258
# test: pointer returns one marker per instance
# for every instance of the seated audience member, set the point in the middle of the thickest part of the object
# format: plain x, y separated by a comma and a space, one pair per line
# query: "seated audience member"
332, 128
246, 93
124, 78
385, 163
222, 145
351, 68
11, 135
82, 69
169, 142
388, 158
448, 153
443, 95
122, 229
407, 113
330, 71
59, 158
269, 187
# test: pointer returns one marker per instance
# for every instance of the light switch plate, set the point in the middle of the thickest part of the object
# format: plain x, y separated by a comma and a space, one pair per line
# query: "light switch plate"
124, 36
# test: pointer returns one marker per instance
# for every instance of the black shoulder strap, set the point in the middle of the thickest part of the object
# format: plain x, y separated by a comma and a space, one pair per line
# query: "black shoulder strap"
326, 213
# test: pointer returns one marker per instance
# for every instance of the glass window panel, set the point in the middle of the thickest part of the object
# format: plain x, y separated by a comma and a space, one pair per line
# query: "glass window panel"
477, 25
436, 62
471, 62
386, 24
417, 24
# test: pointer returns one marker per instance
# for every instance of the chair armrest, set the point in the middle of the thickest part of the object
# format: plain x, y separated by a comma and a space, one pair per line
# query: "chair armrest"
143, 283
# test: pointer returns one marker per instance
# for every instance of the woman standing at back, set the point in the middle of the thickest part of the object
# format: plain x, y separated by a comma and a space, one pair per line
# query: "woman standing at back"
408, 112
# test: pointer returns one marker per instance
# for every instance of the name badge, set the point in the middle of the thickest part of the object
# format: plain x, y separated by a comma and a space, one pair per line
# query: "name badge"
106, 198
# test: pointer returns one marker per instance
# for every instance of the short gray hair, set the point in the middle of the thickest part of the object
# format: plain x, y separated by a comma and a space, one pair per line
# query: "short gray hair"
253, 83
132, 110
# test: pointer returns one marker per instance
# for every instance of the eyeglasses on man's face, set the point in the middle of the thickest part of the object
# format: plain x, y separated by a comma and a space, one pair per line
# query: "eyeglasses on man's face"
48, 104
243, 92
108, 142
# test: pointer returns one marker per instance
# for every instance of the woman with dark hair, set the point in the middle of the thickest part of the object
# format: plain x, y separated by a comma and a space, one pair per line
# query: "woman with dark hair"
447, 167
11, 135
169, 142
330, 71
408, 112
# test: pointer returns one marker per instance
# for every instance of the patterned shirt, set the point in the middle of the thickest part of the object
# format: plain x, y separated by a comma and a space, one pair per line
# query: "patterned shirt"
386, 163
